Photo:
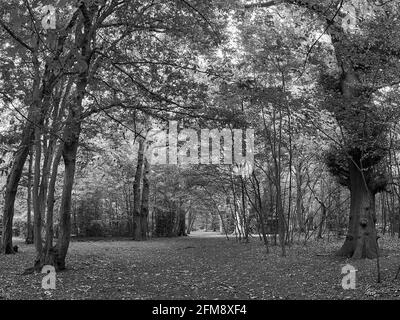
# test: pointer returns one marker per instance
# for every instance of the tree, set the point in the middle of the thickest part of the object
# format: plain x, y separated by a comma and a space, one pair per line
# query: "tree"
357, 160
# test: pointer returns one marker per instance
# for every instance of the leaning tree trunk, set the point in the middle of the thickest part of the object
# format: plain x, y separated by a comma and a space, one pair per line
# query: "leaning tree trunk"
12, 186
361, 239
42, 89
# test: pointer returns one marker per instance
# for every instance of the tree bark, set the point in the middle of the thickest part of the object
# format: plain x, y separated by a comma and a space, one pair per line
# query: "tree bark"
35, 117
299, 199
361, 239
323, 218
37, 205
137, 226
144, 211
29, 227
69, 154
51, 201
12, 186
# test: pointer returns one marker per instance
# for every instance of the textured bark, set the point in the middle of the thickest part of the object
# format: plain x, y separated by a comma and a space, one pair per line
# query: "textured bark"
361, 239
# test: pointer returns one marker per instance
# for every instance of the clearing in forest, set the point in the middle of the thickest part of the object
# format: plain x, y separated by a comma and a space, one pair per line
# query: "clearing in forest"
201, 266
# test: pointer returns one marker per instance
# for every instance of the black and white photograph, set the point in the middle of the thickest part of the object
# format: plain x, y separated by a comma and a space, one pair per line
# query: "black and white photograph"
201, 156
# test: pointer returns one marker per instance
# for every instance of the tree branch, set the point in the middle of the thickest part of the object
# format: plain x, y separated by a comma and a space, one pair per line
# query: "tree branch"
15, 36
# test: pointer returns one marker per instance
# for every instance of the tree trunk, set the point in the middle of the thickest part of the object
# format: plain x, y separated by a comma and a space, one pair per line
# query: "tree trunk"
189, 221
12, 186
37, 112
71, 135
51, 201
144, 211
69, 153
37, 205
323, 218
361, 236
29, 227
299, 200
137, 226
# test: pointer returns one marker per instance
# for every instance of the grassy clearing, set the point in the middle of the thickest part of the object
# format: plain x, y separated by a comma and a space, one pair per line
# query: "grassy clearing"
201, 267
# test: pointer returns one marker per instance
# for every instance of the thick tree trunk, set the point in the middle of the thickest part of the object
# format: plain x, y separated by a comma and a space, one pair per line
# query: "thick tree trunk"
361, 239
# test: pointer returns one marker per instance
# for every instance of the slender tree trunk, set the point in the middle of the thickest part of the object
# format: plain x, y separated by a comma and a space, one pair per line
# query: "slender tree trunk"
37, 205
299, 200
244, 211
323, 218
137, 229
261, 216
144, 211
382, 202
51, 201
69, 154
189, 221
29, 231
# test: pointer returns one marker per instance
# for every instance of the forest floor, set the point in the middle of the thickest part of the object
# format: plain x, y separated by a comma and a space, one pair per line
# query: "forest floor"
202, 266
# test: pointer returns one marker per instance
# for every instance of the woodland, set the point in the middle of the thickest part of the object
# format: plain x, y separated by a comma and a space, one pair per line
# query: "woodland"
303, 93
